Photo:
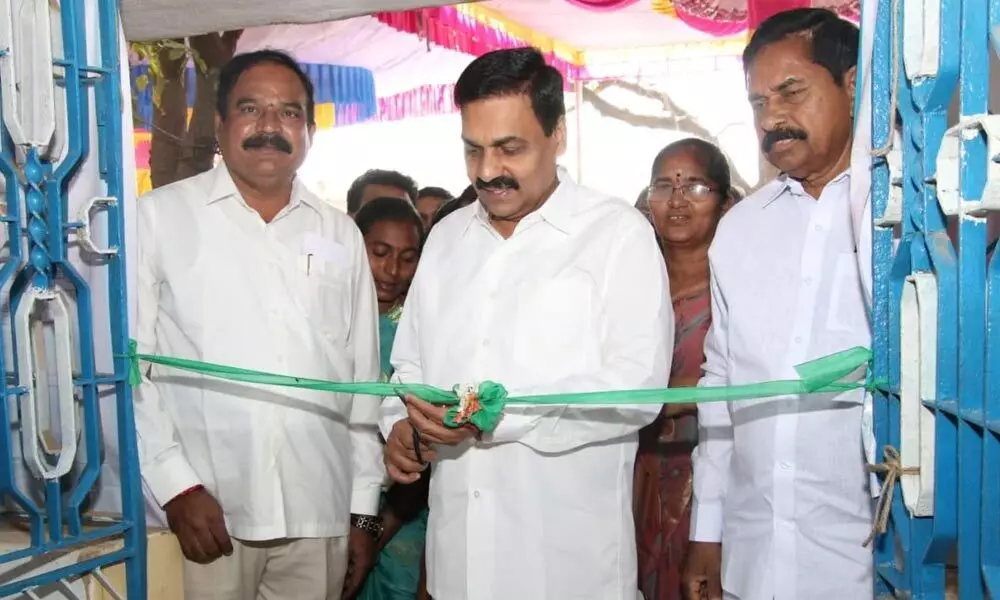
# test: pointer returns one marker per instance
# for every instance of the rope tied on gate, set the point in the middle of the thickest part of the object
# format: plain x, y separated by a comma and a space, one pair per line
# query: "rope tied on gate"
892, 467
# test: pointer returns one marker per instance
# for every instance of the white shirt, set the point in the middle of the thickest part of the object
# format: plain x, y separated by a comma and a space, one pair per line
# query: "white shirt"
781, 482
575, 300
293, 296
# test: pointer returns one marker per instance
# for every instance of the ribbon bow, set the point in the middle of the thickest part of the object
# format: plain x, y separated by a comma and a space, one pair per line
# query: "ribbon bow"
481, 407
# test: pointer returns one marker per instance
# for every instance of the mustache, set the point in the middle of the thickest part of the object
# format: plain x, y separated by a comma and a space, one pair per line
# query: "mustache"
264, 140
774, 136
498, 184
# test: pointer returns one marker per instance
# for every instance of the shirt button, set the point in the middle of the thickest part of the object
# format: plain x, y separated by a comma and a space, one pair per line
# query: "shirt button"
784, 466
476, 493
798, 340
486, 343
819, 228
808, 280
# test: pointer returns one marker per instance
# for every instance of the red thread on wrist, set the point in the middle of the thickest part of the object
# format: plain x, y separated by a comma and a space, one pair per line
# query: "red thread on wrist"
190, 490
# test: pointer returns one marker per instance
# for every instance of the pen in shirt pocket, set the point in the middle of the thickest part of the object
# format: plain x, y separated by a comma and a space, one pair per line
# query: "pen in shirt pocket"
305, 264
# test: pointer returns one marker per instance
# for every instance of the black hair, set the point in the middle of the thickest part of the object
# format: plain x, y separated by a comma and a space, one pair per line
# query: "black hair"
713, 161
451, 206
434, 192
387, 208
468, 195
241, 63
834, 40
642, 201
513, 72
379, 177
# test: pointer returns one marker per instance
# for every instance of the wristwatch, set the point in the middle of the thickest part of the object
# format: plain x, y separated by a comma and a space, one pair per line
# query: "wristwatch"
369, 524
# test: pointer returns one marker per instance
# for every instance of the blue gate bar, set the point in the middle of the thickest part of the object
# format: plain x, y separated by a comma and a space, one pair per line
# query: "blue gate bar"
963, 532
58, 520
990, 509
882, 398
973, 96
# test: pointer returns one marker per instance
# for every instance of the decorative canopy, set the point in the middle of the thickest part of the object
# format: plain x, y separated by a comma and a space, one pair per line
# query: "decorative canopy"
594, 26
727, 17
160, 19
412, 58
602, 5
417, 55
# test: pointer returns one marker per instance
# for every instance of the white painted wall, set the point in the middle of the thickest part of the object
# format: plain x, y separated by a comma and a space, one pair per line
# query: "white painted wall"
84, 186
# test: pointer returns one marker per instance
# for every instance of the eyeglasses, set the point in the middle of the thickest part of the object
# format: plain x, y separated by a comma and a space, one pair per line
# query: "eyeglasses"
662, 191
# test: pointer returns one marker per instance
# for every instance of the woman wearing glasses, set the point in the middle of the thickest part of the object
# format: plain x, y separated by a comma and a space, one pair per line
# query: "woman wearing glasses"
689, 192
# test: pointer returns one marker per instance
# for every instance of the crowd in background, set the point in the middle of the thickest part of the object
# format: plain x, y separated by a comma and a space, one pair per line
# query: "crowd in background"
547, 286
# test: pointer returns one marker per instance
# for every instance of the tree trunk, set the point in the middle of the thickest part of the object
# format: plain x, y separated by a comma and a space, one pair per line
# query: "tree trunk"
199, 142
179, 147
169, 121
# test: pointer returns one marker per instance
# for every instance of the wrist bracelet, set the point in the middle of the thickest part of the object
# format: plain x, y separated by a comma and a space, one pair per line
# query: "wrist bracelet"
369, 524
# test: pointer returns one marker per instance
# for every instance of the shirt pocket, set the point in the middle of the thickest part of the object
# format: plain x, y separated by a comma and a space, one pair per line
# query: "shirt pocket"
846, 310
555, 333
325, 295
185, 297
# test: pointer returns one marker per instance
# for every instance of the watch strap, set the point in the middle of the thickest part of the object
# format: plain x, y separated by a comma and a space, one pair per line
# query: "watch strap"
369, 524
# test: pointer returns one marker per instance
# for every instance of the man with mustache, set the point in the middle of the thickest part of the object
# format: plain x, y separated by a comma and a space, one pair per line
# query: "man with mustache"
270, 491
547, 287
781, 499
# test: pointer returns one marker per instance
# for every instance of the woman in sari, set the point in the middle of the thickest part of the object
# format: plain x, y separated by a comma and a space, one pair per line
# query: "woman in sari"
393, 232
689, 191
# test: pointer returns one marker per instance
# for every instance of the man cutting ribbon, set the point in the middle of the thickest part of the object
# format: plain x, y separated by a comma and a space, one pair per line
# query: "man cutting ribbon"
547, 287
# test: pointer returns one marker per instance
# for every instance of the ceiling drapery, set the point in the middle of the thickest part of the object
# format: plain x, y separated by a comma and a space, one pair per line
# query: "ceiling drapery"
728, 17
602, 5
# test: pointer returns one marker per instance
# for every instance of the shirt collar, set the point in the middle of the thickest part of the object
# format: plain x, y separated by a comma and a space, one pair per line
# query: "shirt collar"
789, 185
557, 211
222, 186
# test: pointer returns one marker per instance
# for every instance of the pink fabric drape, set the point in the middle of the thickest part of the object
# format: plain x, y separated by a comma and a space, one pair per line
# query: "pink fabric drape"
729, 17
449, 28
602, 5
759, 10
720, 18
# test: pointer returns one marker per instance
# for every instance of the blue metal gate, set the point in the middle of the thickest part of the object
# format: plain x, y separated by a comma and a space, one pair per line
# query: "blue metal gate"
49, 91
936, 332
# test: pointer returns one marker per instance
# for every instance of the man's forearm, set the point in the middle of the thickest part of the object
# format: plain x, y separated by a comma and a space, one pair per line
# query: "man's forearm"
391, 524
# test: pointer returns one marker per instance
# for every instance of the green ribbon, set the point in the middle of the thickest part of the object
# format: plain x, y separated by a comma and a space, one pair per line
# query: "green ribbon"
134, 372
823, 375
